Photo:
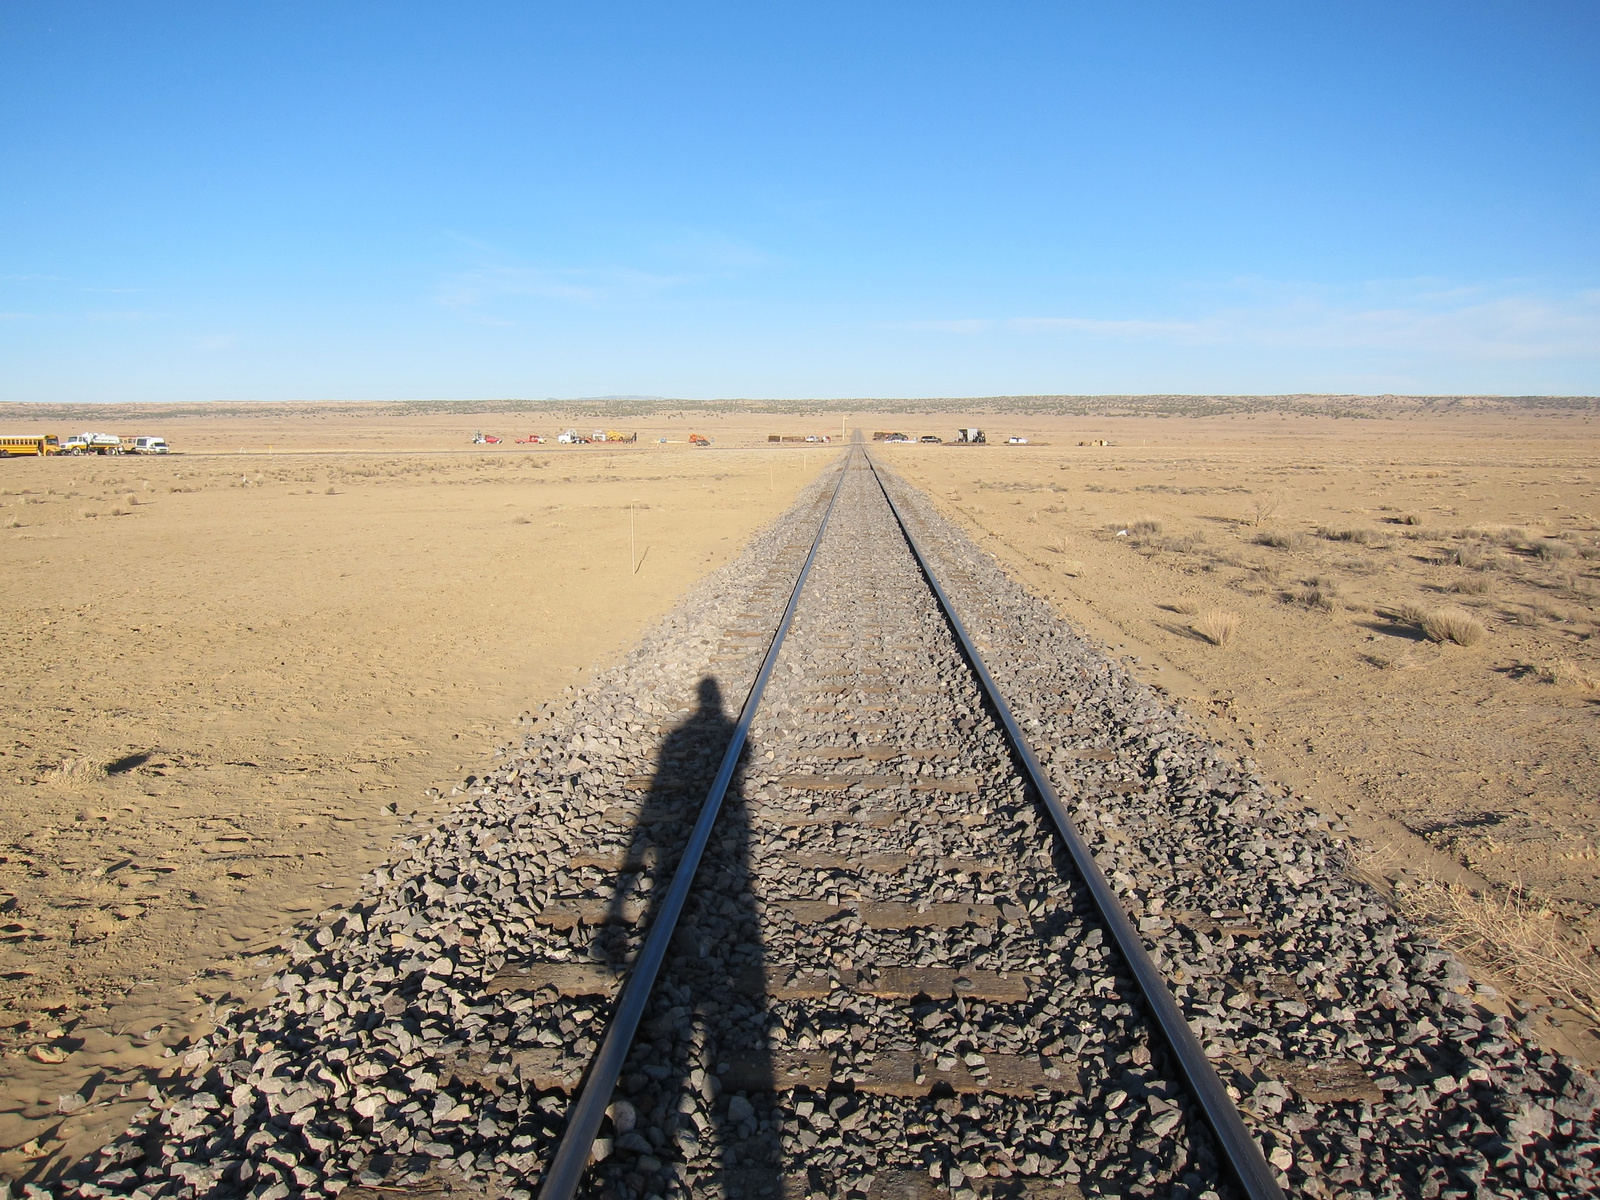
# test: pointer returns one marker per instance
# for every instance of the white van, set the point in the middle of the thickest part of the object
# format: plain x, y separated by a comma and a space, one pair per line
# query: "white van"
150, 445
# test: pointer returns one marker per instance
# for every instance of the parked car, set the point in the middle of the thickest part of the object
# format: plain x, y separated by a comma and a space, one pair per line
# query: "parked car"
149, 445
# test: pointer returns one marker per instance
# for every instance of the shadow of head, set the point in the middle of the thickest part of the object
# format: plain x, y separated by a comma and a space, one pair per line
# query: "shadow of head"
127, 763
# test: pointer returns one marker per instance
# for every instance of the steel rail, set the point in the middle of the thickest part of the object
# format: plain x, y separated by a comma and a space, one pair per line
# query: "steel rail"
1242, 1152
583, 1119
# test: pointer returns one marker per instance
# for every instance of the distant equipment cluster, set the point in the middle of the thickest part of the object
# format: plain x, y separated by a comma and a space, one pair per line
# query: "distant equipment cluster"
963, 437
42, 445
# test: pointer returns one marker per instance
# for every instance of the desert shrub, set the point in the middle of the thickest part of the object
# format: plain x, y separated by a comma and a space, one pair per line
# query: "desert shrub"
1408, 519
1453, 625
13, 523
1319, 592
1265, 506
1361, 537
1471, 585
1411, 614
1472, 556
1279, 540
1144, 528
1552, 551
1577, 586
1186, 608
1217, 626
1565, 673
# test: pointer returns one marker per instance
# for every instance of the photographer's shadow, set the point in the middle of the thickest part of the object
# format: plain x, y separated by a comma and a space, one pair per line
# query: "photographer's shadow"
671, 1118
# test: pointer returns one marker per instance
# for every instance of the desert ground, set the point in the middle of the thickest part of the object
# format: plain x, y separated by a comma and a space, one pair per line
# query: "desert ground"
236, 673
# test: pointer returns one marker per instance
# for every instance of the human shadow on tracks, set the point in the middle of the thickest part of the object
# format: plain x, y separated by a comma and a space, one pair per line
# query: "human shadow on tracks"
691, 1112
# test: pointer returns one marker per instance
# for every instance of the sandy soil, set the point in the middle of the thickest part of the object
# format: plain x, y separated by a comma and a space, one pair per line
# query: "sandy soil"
232, 679
1474, 767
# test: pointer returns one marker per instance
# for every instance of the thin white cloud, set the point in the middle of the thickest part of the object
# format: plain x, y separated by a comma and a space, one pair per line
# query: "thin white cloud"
1477, 322
714, 253
977, 325
689, 258
1166, 331
576, 285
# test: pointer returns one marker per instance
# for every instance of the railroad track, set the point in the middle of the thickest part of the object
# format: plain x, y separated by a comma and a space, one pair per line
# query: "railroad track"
845, 940
884, 856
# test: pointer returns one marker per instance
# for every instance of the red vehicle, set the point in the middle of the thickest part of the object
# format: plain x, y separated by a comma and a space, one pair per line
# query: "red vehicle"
480, 438
533, 439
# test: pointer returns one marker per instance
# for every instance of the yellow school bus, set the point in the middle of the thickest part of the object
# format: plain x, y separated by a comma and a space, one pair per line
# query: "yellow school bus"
32, 443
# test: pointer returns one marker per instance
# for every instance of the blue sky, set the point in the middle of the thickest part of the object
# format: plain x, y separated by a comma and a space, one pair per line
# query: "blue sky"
374, 200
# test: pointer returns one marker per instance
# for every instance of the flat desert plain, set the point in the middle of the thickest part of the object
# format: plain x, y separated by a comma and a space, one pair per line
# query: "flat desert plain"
235, 674
232, 679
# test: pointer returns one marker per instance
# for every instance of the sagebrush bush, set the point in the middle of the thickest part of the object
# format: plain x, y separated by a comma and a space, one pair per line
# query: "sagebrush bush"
1551, 551
1471, 585
1453, 625
1317, 593
1411, 614
1361, 537
1144, 528
1280, 541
